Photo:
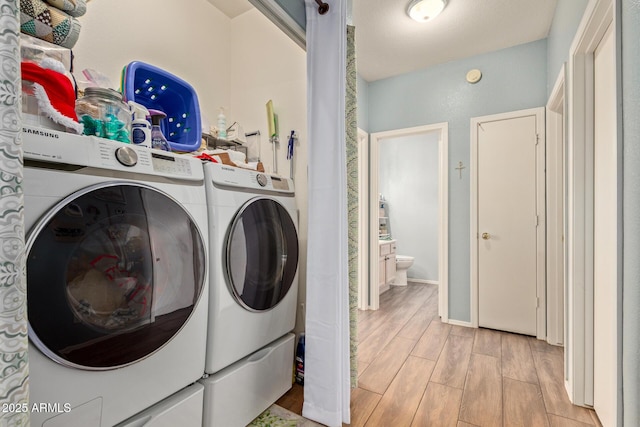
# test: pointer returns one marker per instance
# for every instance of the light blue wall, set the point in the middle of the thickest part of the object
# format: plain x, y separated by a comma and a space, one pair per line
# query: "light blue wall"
563, 29
408, 178
630, 10
513, 79
363, 103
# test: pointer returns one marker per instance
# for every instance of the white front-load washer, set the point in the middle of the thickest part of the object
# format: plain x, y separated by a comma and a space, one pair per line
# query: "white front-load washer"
117, 280
253, 265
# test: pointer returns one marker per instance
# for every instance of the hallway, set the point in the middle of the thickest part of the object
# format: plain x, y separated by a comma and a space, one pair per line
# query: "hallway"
416, 371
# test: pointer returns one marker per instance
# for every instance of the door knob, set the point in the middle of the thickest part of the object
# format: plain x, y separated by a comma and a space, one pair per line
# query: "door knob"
486, 236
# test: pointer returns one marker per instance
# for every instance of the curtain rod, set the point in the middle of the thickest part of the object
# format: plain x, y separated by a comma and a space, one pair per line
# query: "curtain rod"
322, 7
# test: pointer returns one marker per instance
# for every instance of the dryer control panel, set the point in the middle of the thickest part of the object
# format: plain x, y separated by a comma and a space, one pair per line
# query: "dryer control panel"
52, 146
248, 179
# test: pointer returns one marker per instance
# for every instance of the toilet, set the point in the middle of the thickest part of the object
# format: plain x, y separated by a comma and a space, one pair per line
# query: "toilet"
403, 263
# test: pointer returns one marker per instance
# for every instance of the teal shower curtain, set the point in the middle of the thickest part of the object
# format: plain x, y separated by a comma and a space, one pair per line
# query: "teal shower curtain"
13, 321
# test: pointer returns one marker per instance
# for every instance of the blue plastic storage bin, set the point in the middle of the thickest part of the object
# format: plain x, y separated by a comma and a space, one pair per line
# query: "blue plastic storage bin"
159, 90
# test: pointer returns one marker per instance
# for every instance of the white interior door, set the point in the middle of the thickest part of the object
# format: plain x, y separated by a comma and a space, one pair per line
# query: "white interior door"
507, 223
605, 239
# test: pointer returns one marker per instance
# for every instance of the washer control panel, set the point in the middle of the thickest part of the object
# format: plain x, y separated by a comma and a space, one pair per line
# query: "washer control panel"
171, 164
126, 156
249, 179
262, 179
280, 183
88, 151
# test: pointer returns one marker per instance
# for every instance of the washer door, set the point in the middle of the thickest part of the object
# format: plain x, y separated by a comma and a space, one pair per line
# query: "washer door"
261, 256
113, 273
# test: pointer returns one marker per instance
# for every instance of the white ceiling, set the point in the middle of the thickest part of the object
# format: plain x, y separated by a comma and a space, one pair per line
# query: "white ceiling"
389, 43
231, 8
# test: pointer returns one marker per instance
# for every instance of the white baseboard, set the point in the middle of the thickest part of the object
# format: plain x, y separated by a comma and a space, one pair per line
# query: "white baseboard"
460, 323
423, 282
384, 288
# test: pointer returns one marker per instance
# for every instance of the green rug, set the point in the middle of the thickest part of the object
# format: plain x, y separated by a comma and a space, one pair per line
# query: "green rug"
276, 416
268, 419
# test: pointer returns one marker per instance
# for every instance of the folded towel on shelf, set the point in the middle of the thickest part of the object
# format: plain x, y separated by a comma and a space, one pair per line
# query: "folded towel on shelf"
41, 20
73, 8
256, 166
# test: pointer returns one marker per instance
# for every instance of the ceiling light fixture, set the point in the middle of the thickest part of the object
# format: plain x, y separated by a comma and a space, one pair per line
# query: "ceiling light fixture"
425, 10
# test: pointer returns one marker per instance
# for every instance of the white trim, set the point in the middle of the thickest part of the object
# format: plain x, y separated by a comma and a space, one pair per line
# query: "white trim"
363, 220
460, 323
579, 340
555, 211
473, 235
540, 207
423, 281
374, 250
443, 238
443, 217
556, 98
541, 239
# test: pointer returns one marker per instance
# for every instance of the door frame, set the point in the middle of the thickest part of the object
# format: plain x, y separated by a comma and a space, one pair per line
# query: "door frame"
363, 221
597, 17
443, 216
556, 179
541, 321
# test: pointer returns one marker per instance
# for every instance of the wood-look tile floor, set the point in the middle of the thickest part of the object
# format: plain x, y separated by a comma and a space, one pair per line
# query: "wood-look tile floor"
415, 371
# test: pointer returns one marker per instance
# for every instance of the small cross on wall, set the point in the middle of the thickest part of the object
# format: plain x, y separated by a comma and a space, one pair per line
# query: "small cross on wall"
459, 169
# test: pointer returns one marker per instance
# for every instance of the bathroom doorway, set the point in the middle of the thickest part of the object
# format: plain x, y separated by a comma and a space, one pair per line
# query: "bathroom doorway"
404, 155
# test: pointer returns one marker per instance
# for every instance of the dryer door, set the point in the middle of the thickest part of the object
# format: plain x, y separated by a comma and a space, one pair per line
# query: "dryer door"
261, 257
113, 273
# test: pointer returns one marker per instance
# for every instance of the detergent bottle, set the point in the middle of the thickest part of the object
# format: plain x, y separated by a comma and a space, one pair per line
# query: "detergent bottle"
140, 126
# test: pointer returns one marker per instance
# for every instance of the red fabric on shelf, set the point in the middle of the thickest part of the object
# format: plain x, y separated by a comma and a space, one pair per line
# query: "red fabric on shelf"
205, 156
57, 86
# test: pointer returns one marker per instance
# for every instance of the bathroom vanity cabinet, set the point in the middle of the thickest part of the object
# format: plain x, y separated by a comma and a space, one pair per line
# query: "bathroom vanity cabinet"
386, 264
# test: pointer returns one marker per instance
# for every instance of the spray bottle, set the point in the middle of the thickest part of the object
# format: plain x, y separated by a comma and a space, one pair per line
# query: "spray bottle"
140, 127
158, 140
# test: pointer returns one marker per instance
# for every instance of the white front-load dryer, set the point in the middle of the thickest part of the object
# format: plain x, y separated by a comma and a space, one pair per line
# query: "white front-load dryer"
117, 280
253, 293
253, 267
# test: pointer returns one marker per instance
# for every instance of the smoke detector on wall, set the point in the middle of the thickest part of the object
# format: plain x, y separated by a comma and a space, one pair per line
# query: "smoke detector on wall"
474, 76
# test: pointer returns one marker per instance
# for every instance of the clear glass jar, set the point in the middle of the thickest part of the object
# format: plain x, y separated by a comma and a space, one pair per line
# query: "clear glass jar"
104, 113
